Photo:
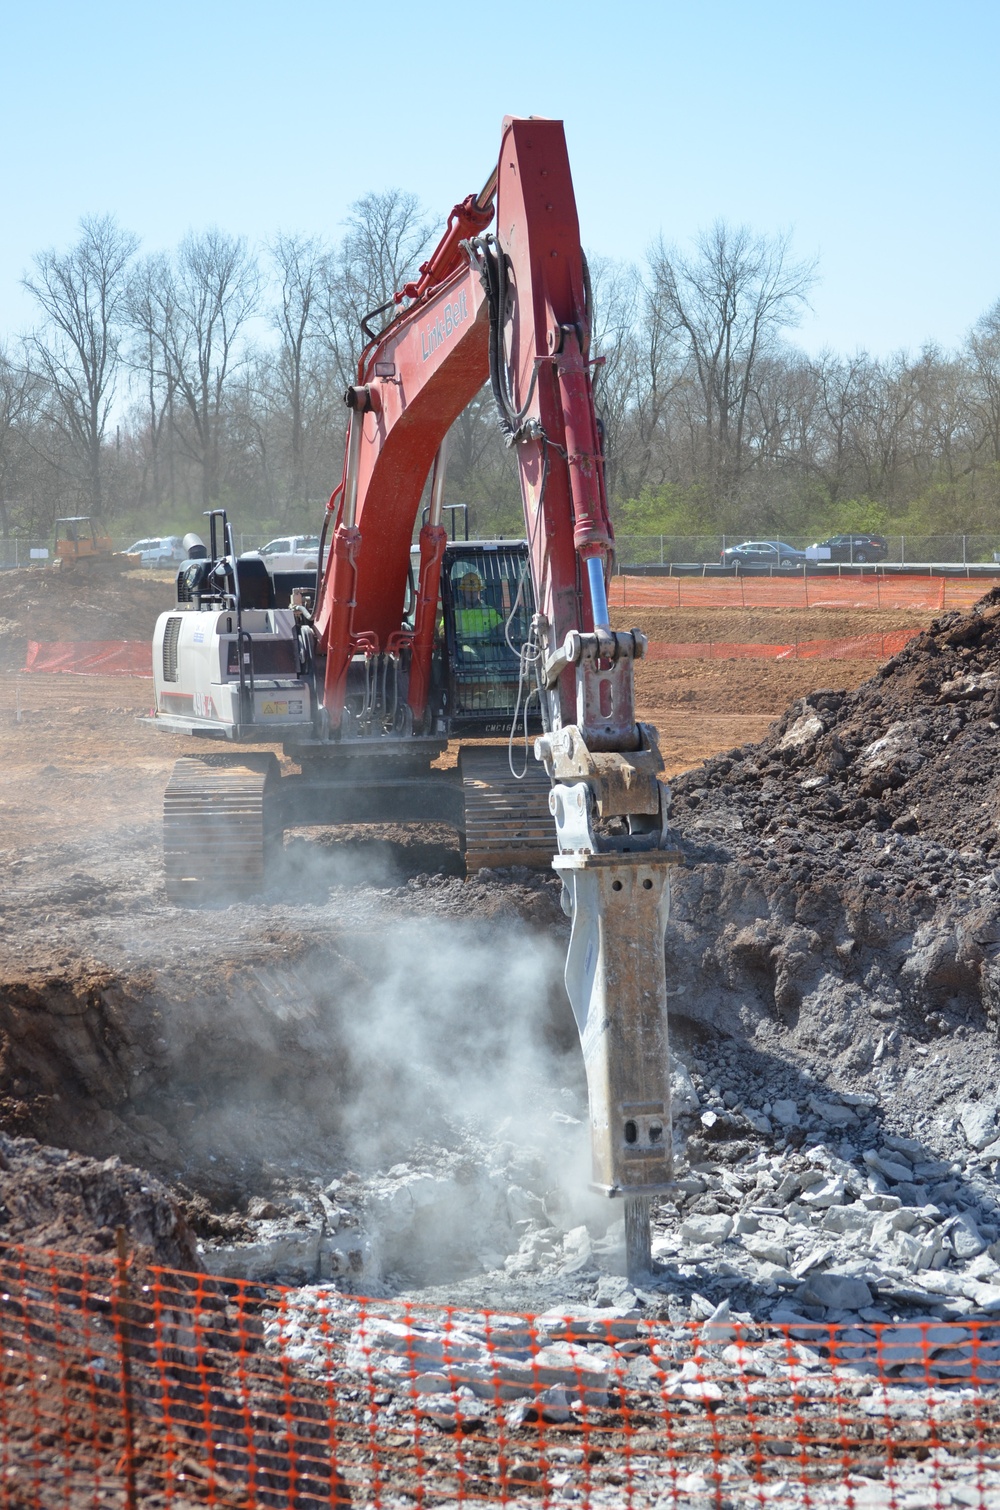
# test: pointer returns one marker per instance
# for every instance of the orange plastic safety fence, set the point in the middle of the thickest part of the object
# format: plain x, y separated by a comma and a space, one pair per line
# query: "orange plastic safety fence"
856, 647
928, 594
144, 1386
91, 657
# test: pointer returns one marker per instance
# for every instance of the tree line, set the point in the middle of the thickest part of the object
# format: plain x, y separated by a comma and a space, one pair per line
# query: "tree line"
155, 386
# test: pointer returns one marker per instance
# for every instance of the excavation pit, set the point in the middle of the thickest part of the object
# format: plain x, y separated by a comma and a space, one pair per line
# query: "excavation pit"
833, 978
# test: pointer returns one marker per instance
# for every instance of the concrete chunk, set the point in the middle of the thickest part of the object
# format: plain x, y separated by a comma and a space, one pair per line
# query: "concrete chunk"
767, 1252
979, 1123
966, 1239
849, 1219
683, 1096
820, 1197
707, 1229
803, 733
785, 1112
891, 1169
841, 1292
833, 1114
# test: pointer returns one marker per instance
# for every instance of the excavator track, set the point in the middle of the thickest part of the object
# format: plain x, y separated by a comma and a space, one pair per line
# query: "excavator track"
507, 821
221, 826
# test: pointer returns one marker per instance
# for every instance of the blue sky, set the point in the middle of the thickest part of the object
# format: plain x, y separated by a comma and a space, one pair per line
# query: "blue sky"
870, 131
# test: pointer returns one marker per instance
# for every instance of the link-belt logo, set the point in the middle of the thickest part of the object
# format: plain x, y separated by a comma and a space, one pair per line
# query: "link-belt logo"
451, 316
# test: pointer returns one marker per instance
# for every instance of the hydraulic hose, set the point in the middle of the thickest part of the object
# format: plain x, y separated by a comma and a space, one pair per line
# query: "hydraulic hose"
494, 273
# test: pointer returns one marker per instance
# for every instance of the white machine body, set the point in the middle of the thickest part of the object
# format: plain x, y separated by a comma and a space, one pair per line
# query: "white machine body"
196, 671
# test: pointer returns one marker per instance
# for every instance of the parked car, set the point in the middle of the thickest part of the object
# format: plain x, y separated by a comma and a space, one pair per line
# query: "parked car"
854, 548
162, 550
763, 554
290, 553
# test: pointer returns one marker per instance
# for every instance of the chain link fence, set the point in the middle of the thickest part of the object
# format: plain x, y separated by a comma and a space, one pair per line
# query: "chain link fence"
17, 552
903, 550
632, 550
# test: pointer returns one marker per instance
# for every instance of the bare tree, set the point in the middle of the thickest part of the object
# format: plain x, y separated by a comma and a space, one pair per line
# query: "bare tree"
883, 428
616, 343
984, 359
151, 313
726, 308
386, 236
81, 294
470, 439
201, 308
842, 385
301, 263
939, 449
17, 392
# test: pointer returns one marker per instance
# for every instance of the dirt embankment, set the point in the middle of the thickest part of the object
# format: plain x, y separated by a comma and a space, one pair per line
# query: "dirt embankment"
53, 1199
45, 605
844, 889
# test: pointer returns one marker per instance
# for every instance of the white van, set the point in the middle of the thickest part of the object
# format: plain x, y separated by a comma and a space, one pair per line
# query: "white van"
162, 550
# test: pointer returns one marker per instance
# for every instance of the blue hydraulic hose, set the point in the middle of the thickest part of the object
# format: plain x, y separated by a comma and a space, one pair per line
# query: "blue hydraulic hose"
598, 596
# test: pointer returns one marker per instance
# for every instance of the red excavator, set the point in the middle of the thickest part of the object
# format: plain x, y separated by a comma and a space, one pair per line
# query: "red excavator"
364, 672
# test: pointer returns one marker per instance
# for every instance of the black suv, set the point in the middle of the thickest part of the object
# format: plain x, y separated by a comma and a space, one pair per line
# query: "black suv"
857, 549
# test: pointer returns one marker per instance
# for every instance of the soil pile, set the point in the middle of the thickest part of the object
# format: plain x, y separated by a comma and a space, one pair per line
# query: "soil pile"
50, 1198
44, 605
844, 884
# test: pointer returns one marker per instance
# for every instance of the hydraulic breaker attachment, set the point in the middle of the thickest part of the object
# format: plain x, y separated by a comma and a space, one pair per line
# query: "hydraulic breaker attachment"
616, 890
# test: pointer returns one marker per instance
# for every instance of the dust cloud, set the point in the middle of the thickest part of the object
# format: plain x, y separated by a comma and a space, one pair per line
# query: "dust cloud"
388, 1036
456, 1025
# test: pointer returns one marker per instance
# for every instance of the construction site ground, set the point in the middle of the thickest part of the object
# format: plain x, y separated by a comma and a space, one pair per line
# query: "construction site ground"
370, 1077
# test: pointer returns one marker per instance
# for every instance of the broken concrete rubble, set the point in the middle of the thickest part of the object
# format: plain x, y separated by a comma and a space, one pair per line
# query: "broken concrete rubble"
757, 1229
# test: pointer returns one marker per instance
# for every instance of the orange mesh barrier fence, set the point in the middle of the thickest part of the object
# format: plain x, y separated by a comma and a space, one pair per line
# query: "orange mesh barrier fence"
122, 1384
927, 594
855, 647
91, 657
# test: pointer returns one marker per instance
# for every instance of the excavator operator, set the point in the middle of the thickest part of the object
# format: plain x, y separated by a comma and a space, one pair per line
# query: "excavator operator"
474, 619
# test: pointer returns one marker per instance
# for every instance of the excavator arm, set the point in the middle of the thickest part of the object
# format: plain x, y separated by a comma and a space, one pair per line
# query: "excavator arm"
514, 307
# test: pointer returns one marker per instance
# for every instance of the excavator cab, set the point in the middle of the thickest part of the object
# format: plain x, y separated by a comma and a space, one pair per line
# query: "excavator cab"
485, 617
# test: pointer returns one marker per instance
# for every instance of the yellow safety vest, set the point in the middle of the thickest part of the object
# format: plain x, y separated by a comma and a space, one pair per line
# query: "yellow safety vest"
476, 623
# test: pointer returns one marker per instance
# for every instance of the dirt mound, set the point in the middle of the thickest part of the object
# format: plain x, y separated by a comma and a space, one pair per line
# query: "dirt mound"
44, 605
68, 1057
765, 626
843, 889
53, 1199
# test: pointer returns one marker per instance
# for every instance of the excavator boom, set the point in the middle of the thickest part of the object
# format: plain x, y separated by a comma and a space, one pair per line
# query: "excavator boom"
512, 308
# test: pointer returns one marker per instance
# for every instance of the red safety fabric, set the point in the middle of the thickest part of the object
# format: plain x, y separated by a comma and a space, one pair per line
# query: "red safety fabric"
923, 593
91, 657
